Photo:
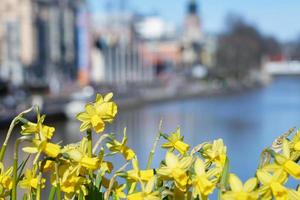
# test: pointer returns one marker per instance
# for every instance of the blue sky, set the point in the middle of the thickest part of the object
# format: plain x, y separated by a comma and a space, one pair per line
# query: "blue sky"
280, 18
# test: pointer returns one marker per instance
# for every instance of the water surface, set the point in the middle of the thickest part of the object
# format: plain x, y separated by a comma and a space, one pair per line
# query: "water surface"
247, 121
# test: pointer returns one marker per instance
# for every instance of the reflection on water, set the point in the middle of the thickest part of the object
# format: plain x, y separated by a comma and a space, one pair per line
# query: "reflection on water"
247, 121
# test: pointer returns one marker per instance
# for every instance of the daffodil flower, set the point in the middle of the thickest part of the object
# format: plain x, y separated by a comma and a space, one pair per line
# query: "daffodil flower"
70, 182
175, 141
120, 147
176, 169
239, 191
202, 186
96, 114
216, 153
272, 184
30, 180
79, 154
285, 161
137, 175
50, 149
117, 190
43, 131
108, 108
147, 192
5, 181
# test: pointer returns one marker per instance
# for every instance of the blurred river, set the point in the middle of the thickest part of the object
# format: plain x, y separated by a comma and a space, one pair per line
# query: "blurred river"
247, 121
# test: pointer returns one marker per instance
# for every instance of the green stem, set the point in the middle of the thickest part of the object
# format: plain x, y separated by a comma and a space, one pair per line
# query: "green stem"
38, 191
90, 142
58, 192
224, 179
15, 169
151, 154
10, 129
15, 165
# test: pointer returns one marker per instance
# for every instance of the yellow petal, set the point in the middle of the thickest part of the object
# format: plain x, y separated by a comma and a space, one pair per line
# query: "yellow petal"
30, 149
235, 183
297, 146
199, 167
108, 97
83, 116
171, 160
250, 185
136, 196
285, 148
264, 177
185, 162
292, 168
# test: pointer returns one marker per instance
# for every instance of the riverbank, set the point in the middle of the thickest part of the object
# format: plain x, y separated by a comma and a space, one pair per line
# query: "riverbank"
135, 96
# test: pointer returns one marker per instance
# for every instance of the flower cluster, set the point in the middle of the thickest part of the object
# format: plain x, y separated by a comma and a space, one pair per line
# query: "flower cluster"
82, 170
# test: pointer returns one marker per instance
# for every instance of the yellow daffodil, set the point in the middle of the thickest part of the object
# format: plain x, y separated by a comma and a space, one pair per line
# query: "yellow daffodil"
147, 192
176, 169
239, 191
136, 175
120, 147
70, 182
5, 177
44, 132
5, 181
285, 161
79, 154
216, 153
108, 108
30, 180
294, 194
175, 141
117, 190
272, 184
202, 186
50, 149
96, 114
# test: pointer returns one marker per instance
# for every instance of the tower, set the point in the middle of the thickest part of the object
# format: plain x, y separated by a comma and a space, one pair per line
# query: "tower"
192, 35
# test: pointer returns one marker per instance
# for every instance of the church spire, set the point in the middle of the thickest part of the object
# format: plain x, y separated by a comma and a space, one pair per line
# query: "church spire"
192, 7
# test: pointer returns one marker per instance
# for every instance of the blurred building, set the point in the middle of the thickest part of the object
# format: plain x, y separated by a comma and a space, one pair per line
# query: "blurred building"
38, 41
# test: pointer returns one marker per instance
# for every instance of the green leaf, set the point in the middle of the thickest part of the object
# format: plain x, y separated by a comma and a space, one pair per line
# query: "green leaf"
21, 168
52, 193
